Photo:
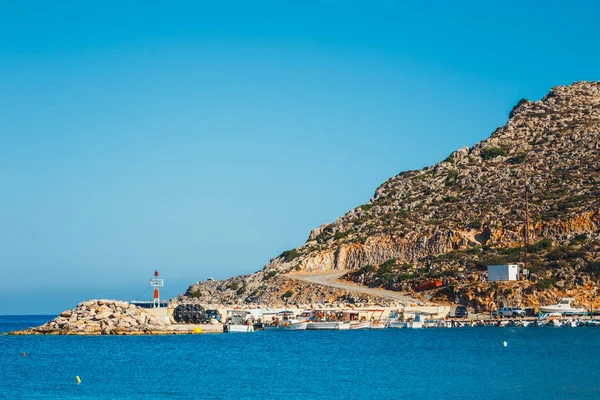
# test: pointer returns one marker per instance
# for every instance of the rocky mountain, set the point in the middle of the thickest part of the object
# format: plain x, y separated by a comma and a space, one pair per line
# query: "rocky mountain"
447, 222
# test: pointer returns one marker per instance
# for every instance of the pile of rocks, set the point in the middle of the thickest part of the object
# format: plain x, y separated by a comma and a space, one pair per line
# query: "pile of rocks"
102, 317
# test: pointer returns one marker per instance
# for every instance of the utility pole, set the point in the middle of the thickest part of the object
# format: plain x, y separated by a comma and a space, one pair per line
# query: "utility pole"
526, 238
526, 230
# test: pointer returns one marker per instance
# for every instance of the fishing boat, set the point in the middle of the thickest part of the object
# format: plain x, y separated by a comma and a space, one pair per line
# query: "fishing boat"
417, 322
328, 325
239, 321
357, 319
328, 319
306, 315
396, 320
285, 320
564, 307
570, 323
376, 321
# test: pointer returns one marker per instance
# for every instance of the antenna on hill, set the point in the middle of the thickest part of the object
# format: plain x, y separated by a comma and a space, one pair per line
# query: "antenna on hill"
526, 230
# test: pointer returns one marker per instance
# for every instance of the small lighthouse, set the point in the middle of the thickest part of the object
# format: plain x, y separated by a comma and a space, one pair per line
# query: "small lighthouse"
156, 283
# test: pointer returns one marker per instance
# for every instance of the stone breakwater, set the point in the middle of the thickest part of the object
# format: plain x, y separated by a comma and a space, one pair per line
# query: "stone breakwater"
103, 317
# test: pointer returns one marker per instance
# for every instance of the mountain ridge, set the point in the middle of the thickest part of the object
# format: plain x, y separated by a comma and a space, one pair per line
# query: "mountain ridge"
445, 221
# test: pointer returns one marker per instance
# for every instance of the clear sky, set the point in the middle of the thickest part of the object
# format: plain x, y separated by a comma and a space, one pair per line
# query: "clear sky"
205, 138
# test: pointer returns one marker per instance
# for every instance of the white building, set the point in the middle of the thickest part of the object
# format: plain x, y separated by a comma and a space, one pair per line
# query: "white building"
507, 272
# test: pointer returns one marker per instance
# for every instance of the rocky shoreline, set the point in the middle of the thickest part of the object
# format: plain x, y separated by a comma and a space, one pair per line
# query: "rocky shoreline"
106, 317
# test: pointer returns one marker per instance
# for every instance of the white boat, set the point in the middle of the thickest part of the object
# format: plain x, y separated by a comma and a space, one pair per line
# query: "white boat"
379, 324
395, 320
593, 323
285, 320
564, 307
239, 321
398, 324
570, 323
328, 325
357, 321
411, 323
360, 325
327, 319
417, 322
306, 315
239, 328
376, 321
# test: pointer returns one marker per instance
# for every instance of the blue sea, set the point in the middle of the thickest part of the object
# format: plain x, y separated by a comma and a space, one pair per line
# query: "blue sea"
462, 363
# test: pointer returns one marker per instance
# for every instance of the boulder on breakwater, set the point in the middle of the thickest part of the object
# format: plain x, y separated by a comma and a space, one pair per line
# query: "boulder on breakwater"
102, 317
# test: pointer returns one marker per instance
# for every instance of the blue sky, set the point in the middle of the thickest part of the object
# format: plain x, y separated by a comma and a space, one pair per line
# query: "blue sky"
205, 139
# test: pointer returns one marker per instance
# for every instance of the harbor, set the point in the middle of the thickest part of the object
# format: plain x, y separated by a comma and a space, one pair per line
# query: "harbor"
160, 317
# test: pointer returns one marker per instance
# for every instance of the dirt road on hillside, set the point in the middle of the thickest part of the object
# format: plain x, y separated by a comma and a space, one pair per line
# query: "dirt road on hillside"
332, 279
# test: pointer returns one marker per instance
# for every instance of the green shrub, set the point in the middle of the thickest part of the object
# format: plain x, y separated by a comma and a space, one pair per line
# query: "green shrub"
270, 275
451, 178
544, 284
287, 294
543, 244
594, 268
556, 254
366, 207
579, 239
474, 250
511, 251
341, 235
368, 269
234, 286
475, 225
518, 159
405, 277
290, 255
241, 290
493, 152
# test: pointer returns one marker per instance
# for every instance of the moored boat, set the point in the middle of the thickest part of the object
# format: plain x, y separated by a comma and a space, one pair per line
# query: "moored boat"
328, 325
239, 321
286, 321
239, 328
328, 319
564, 307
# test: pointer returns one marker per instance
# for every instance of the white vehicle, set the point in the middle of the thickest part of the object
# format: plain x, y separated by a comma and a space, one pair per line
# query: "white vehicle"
509, 312
564, 307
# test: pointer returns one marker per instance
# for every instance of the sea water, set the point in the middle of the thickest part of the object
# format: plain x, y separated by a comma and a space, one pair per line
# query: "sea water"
459, 363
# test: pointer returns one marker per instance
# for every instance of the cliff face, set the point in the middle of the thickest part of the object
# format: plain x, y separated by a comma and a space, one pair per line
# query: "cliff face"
453, 217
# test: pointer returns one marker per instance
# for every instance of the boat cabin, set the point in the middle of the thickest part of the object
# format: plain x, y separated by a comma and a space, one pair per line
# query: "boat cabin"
239, 317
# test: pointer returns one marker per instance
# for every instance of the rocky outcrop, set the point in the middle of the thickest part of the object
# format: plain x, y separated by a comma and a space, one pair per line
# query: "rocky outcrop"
274, 291
102, 317
453, 217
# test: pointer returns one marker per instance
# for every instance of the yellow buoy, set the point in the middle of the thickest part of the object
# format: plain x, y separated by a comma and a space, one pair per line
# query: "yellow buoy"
78, 380
197, 330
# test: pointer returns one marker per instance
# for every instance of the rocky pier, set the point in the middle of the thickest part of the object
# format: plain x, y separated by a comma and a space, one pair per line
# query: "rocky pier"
107, 317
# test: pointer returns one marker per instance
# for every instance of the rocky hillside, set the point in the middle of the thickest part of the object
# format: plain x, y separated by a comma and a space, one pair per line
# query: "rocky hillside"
448, 221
